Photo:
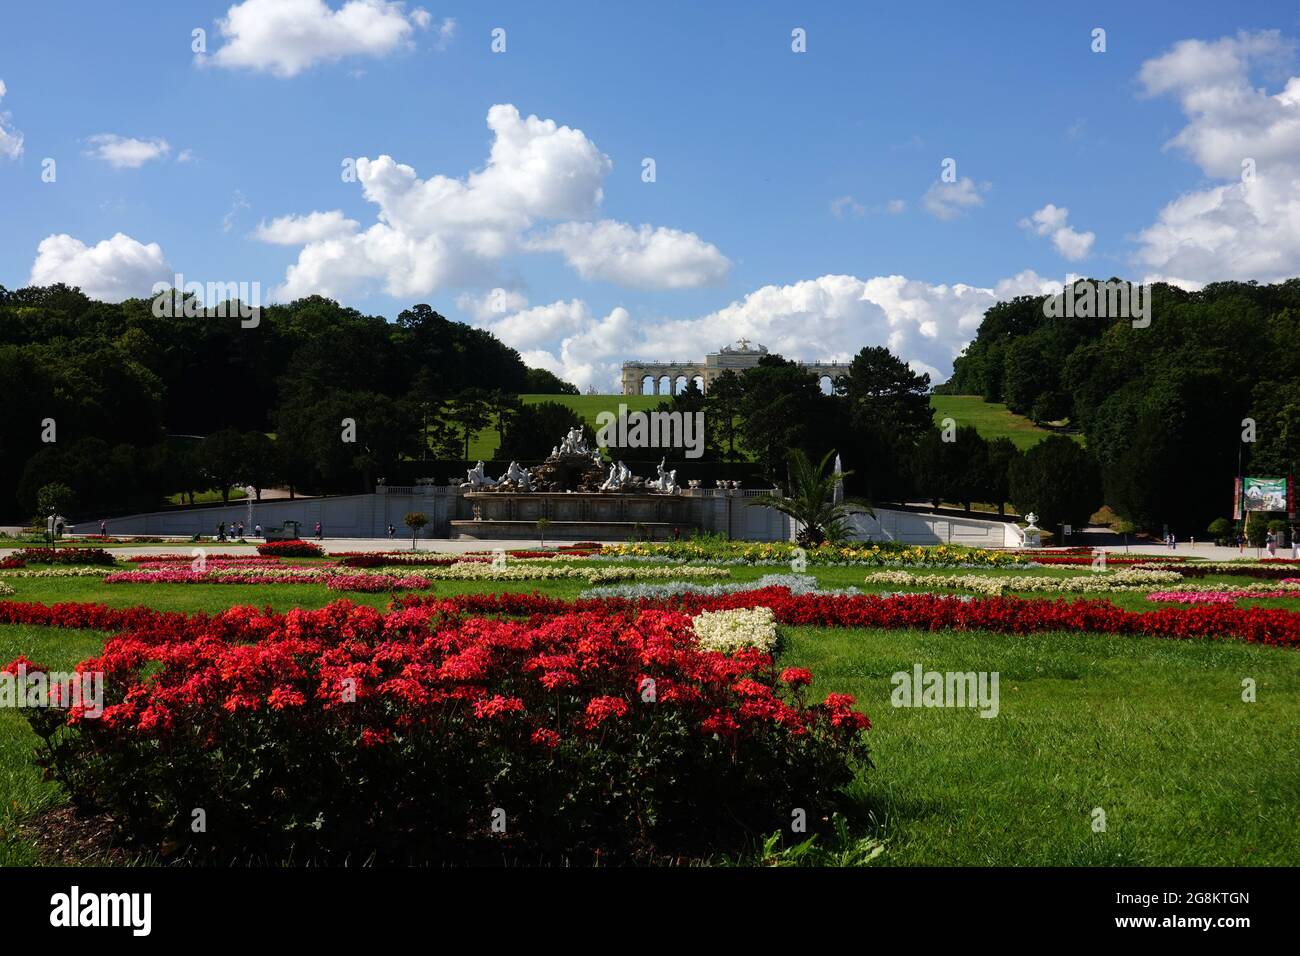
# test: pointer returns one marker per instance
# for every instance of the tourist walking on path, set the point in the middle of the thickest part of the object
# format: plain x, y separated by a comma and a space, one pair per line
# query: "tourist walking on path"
221, 531
257, 531
1270, 542
318, 531
103, 528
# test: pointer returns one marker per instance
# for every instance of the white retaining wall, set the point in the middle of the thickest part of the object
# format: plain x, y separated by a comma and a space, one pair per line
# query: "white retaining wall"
911, 527
368, 516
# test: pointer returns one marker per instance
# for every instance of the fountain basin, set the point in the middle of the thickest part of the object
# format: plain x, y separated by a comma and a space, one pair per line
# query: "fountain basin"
577, 515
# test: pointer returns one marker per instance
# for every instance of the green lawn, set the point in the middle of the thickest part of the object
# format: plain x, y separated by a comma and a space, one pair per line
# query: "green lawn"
990, 420
1152, 731
484, 444
209, 497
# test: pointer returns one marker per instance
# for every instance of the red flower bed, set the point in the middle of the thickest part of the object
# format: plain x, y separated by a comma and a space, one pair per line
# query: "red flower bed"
12, 563
291, 549
929, 612
1010, 615
92, 617
1111, 559
1196, 571
345, 733
210, 559
376, 583
64, 556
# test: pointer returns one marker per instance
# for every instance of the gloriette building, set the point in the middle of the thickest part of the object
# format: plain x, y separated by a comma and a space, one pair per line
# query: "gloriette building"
669, 378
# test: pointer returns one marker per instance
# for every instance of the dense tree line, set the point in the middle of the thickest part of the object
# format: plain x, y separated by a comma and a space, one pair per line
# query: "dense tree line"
879, 420
141, 407
1166, 410
126, 407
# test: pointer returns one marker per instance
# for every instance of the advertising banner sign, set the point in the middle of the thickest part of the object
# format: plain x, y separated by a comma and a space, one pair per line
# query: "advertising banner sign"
1266, 494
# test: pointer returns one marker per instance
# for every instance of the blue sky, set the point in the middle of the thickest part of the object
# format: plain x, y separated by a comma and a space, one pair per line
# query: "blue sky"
773, 168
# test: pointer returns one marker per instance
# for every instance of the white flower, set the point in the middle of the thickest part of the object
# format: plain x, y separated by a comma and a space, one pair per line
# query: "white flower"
729, 631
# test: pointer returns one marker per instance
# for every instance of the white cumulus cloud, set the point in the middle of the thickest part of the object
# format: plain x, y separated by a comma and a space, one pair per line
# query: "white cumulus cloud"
111, 270
285, 37
828, 318
1249, 226
300, 230
1051, 221
642, 257
125, 152
441, 231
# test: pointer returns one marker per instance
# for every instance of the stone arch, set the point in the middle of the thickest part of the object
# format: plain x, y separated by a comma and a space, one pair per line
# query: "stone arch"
698, 379
647, 384
826, 383
665, 385
679, 383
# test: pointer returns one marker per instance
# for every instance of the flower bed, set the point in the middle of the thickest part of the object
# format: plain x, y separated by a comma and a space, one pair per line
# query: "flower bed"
1131, 579
737, 629
344, 734
1213, 595
526, 571
94, 617
349, 560
177, 558
794, 583
782, 552
1255, 570
220, 575
91, 572
291, 549
5, 589
364, 580
1085, 560
64, 556
1007, 615
375, 583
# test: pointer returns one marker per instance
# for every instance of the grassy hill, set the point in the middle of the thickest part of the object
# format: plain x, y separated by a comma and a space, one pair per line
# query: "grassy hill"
991, 420
484, 444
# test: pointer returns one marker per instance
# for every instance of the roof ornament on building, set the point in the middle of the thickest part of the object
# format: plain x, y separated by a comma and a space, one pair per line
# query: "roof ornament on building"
743, 345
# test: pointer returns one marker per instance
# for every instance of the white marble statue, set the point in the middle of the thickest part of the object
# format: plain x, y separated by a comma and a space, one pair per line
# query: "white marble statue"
519, 477
667, 480
620, 477
611, 483
477, 479
574, 443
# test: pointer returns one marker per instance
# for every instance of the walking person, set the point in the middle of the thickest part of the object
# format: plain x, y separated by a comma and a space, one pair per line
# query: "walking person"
103, 528
257, 531
318, 531
221, 531
1270, 542
1295, 546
